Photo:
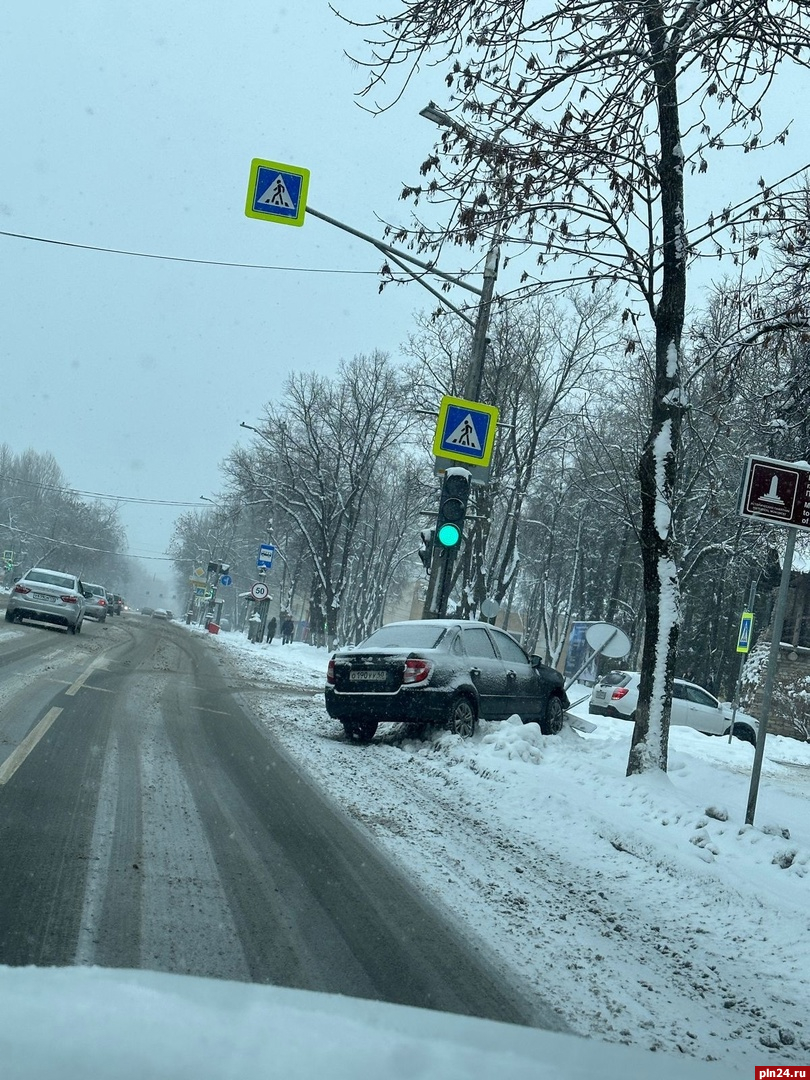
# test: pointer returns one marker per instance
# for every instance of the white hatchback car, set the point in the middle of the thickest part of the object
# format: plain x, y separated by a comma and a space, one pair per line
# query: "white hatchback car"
692, 706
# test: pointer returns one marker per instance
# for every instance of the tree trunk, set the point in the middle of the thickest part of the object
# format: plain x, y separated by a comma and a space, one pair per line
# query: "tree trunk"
657, 467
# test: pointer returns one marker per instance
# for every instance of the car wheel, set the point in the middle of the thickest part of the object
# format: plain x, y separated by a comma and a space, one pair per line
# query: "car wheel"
744, 732
9, 616
462, 718
360, 731
555, 716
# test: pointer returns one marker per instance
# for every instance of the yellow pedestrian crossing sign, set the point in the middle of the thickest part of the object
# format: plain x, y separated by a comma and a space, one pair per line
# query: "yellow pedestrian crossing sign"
744, 636
465, 431
277, 192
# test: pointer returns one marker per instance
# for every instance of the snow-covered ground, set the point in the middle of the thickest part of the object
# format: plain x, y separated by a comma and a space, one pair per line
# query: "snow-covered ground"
643, 907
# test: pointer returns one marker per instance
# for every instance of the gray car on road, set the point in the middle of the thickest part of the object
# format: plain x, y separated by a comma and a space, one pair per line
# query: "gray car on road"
96, 607
48, 596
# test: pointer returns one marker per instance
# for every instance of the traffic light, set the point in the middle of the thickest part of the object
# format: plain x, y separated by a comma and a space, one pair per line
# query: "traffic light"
426, 547
452, 507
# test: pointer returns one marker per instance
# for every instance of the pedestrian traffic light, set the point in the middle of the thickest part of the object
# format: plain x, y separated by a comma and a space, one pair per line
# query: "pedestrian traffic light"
426, 547
452, 507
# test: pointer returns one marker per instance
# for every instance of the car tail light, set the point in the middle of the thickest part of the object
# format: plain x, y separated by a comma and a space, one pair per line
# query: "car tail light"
618, 693
330, 673
21, 589
69, 599
102, 603
416, 671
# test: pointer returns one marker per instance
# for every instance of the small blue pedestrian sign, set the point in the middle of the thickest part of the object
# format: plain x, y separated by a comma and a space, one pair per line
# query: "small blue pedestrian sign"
265, 559
465, 431
744, 636
226, 579
277, 192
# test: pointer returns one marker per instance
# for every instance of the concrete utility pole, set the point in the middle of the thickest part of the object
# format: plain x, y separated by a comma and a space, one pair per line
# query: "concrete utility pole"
441, 566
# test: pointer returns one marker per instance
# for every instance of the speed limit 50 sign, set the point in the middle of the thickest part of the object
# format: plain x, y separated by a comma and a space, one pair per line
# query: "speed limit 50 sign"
259, 591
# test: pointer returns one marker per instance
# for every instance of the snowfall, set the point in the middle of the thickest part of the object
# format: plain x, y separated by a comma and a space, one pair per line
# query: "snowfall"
643, 909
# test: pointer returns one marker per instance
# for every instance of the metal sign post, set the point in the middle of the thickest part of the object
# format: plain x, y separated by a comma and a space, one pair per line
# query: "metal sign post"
773, 659
774, 493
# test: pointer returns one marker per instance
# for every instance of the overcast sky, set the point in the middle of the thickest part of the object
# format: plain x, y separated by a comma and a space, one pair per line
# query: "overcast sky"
133, 126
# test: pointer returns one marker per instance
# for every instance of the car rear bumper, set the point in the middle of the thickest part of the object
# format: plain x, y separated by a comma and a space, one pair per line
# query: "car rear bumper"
38, 614
410, 705
607, 710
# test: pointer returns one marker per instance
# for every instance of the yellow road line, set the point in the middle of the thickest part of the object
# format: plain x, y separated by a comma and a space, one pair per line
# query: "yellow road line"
18, 756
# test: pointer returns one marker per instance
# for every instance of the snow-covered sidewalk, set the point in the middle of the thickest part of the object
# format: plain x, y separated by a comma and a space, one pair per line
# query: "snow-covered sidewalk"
643, 907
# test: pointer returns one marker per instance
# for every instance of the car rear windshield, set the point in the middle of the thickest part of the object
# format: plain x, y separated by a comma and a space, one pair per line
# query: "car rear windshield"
45, 577
615, 678
405, 636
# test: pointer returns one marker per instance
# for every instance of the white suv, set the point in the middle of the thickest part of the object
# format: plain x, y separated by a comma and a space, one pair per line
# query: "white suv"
48, 596
692, 706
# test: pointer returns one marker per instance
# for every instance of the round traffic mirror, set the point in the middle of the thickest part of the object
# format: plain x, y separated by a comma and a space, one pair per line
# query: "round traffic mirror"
608, 640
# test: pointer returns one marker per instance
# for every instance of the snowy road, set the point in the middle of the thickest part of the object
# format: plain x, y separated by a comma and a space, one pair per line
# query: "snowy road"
642, 907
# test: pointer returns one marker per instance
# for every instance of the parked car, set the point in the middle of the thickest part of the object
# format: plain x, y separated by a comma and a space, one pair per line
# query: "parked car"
441, 671
160, 613
692, 706
48, 596
96, 607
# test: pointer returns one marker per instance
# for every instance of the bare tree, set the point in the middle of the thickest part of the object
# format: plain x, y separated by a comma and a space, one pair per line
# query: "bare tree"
577, 131
324, 460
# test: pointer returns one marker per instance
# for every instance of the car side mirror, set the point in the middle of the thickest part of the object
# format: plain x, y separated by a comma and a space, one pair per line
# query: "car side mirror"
535, 660
86, 594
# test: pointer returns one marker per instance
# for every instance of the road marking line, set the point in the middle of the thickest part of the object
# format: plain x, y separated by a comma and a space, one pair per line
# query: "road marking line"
216, 712
18, 756
75, 687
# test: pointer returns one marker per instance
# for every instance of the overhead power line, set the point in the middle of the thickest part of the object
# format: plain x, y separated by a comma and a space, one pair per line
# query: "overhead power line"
96, 494
84, 547
184, 259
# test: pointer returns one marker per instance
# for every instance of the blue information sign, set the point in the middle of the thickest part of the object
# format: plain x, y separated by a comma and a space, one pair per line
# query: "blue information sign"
265, 559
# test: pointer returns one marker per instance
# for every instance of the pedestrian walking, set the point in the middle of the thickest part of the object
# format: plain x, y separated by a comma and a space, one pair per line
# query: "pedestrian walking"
287, 631
271, 629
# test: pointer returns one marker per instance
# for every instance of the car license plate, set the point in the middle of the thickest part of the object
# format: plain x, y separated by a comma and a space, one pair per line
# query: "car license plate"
45, 596
600, 695
367, 676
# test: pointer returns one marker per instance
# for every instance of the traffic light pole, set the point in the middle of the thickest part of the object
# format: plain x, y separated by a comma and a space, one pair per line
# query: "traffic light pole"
439, 582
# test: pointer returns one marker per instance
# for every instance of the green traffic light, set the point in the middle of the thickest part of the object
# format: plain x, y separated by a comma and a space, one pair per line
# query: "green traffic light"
448, 535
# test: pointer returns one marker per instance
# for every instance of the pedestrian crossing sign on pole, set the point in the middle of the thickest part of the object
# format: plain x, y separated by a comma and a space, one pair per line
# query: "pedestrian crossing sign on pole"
744, 636
277, 192
465, 431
